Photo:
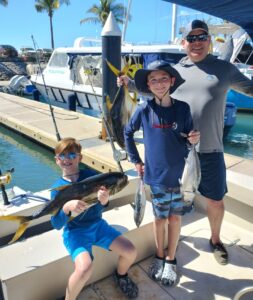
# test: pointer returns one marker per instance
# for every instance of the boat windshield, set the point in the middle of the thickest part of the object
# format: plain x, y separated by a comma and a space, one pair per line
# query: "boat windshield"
59, 60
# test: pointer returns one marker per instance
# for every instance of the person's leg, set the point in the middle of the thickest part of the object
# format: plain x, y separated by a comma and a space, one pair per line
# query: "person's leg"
213, 187
159, 233
161, 208
174, 228
126, 251
215, 213
127, 254
82, 272
169, 275
155, 269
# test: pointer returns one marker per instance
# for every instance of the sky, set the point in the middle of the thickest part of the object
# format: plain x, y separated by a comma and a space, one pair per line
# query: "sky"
150, 23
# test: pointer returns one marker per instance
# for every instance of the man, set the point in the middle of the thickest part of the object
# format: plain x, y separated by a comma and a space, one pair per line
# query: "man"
207, 80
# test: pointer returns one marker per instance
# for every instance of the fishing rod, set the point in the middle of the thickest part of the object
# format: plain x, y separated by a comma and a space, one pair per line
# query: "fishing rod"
45, 87
117, 154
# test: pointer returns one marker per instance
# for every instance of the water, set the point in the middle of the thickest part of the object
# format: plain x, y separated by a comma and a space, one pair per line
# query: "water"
35, 167
239, 141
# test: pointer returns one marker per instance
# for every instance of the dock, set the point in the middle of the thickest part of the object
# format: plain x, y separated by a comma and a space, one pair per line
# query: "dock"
200, 276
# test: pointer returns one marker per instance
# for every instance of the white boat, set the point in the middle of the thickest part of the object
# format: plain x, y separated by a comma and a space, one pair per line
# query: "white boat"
66, 72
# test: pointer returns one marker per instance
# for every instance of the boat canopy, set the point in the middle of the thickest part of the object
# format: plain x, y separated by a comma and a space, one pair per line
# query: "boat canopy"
238, 12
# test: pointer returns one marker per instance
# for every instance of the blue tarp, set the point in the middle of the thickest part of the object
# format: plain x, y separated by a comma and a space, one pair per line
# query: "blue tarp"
239, 12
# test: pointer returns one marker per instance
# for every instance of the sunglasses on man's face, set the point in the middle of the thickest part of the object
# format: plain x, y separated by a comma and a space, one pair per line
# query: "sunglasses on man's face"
70, 155
197, 38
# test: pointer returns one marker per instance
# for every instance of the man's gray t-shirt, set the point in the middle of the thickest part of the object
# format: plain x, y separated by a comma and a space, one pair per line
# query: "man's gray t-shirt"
205, 90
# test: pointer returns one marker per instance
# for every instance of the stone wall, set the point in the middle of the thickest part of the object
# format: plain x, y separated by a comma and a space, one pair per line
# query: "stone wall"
10, 67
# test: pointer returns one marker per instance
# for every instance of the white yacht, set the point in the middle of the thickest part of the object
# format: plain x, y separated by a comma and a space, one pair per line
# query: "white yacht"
77, 71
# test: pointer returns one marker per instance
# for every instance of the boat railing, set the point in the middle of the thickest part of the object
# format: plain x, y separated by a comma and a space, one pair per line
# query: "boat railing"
243, 292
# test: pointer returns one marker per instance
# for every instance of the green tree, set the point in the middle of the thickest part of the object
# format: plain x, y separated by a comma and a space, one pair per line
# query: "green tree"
50, 6
101, 12
4, 2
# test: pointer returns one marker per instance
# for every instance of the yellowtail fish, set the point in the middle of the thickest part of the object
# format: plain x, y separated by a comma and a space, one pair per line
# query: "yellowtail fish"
191, 176
139, 203
85, 190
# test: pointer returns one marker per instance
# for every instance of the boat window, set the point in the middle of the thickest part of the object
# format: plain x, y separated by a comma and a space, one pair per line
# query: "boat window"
172, 58
87, 69
59, 60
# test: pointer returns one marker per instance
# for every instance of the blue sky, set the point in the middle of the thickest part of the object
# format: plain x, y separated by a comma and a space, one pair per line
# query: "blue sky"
151, 23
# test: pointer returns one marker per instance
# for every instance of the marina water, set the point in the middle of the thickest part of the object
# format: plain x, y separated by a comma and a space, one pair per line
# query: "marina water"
239, 141
36, 170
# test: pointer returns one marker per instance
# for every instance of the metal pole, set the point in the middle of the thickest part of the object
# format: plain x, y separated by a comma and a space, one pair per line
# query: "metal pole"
174, 22
126, 21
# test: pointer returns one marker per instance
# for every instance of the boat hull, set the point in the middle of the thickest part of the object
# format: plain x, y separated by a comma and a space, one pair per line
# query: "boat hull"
242, 102
62, 96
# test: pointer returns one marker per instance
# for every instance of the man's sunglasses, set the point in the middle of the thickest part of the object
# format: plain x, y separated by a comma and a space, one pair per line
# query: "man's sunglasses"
194, 38
70, 155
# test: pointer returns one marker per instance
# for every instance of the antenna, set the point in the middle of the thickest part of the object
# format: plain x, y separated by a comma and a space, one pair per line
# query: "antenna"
44, 83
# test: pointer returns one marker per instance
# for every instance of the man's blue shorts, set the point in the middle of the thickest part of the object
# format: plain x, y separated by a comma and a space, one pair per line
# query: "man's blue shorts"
168, 201
82, 239
213, 175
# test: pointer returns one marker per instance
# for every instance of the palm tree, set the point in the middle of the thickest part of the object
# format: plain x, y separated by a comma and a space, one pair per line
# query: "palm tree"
4, 2
50, 6
102, 11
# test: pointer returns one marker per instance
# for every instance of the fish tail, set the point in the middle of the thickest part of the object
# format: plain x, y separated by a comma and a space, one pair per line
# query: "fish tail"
108, 103
23, 224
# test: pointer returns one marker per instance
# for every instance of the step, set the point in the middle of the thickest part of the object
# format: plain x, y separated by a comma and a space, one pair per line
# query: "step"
32, 263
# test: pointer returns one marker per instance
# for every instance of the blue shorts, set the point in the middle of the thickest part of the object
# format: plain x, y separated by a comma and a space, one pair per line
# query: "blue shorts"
82, 239
168, 201
213, 175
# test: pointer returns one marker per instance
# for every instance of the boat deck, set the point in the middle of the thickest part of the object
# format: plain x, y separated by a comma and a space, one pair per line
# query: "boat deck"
200, 276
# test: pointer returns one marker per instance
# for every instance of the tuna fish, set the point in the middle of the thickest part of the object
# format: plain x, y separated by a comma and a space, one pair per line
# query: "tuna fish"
191, 176
139, 203
85, 190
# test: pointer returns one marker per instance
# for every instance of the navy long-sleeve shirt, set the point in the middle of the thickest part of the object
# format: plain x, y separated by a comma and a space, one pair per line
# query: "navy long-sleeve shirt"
165, 148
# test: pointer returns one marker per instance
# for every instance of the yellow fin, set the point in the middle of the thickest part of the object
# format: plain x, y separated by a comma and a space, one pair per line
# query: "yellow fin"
108, 103
21, 229
113, 69
24, 222
117, 72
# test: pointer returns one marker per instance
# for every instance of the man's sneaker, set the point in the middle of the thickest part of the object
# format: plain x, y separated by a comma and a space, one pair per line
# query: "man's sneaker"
155, 270
169, 275
127, 286
220, 252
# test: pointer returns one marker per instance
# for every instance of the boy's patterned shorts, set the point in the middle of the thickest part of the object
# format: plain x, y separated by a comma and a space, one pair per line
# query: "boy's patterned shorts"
168, 201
